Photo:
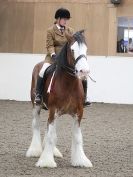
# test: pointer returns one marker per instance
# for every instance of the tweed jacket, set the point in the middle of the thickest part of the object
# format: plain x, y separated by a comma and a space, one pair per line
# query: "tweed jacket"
55, 41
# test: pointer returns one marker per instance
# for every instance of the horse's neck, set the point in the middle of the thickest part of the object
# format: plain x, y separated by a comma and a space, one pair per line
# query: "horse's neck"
67, 80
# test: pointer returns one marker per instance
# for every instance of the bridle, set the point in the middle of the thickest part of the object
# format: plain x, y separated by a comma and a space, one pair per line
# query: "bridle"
79, 57
70, 69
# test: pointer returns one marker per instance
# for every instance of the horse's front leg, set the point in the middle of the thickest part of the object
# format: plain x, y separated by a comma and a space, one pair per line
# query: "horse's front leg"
47, 157
35, 148
57, 153
78, 157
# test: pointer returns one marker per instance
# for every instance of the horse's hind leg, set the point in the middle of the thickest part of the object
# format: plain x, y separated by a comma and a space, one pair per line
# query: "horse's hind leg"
35, 148
78, 157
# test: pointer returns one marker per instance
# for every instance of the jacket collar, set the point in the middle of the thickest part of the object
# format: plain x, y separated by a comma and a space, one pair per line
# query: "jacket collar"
59, 27
57, 31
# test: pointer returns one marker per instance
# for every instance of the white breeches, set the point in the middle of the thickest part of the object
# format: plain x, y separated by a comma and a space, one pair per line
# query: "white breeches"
43, 69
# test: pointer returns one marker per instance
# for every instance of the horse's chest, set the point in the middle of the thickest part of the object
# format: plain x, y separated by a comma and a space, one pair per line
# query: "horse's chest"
68, 105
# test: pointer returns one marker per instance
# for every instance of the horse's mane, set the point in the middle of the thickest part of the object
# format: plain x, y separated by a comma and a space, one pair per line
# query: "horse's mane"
62, 57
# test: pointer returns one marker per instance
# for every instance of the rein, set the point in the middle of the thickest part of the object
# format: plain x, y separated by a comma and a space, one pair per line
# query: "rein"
71, 69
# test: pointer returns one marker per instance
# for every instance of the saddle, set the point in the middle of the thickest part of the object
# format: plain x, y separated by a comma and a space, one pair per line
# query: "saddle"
49, 71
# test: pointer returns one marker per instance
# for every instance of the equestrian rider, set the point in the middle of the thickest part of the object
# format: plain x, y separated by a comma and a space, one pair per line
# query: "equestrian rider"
56, 38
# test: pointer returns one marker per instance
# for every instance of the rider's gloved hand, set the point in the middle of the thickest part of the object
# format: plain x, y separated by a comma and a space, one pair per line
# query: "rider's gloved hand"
54, 57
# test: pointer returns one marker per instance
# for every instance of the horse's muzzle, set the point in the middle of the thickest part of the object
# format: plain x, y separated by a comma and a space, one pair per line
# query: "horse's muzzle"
82, 74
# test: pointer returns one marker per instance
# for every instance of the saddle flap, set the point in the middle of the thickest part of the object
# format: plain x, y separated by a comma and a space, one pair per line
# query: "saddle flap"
49, 71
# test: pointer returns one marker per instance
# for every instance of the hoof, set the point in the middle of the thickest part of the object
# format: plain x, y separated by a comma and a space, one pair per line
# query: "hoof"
82, 163
46, 164
86, 164
34, 152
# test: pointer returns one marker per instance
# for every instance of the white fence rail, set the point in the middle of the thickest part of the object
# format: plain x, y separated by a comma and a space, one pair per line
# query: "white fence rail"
113, 75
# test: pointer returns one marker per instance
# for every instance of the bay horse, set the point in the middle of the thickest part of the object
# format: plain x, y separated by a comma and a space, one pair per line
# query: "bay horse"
65, 96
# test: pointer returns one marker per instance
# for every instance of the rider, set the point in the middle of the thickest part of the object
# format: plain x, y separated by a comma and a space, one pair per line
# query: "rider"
56, 38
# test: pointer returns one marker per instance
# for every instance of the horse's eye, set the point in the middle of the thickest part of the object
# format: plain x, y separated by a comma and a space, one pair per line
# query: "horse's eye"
72, 50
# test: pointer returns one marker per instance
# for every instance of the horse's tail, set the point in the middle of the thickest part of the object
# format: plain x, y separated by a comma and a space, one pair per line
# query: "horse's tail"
35, 74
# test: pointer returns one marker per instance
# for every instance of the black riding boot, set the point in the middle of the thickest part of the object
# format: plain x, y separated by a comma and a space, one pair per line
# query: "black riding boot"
39, 90
86, 103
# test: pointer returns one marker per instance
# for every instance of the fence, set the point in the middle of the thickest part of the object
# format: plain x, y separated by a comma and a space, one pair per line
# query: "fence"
113, 75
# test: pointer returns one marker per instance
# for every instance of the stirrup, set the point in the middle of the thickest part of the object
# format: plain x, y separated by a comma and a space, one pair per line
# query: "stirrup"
38, 99
87, 103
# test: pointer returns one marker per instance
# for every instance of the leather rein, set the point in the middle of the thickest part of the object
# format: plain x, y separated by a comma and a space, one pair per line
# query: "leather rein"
71, 69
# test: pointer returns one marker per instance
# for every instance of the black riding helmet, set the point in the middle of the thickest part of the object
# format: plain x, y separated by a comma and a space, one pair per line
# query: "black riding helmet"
62, 13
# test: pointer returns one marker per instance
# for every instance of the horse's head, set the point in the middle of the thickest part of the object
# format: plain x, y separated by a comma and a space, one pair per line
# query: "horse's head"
78, 51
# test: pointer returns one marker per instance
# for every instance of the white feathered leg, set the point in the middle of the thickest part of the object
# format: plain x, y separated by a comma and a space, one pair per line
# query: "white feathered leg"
35, 148
57, 153
78, 157
47, 156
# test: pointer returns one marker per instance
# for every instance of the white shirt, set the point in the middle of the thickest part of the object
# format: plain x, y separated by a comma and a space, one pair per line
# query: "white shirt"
59, 27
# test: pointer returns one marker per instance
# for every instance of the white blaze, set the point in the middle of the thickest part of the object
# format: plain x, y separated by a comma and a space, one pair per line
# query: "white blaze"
82, 66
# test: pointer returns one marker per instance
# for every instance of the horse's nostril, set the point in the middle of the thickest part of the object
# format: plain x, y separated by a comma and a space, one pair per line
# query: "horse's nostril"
81, 70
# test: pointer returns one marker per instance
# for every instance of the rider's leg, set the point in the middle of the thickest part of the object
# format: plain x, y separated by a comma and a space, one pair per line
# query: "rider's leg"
86, 99
39, 86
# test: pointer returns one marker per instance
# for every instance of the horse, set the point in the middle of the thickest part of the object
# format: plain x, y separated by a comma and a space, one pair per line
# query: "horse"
65, 96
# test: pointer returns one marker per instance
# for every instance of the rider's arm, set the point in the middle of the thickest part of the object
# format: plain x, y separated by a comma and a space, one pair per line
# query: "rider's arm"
50, 43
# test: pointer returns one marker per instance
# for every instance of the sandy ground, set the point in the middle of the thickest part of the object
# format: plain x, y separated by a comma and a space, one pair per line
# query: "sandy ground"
108, 141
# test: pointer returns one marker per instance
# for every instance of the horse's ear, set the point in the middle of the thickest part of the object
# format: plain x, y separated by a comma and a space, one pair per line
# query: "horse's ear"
69, 37
82, 31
